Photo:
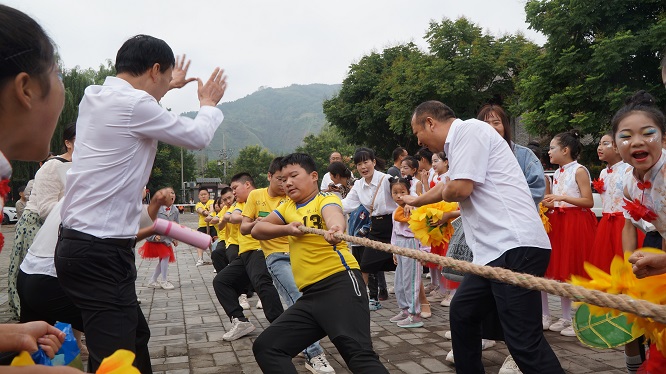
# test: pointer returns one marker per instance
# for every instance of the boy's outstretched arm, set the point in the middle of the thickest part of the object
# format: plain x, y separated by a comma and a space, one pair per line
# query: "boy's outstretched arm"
335, 221
273, 227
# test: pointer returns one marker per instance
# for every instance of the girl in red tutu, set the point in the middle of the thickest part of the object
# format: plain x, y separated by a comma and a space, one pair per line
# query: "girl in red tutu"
158, 246
573, 223
608, 240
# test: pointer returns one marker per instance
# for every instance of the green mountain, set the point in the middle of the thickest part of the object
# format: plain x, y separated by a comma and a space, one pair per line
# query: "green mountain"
274, 118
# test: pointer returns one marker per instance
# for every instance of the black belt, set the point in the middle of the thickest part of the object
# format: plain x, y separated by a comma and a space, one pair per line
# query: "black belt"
385, 216
66, 233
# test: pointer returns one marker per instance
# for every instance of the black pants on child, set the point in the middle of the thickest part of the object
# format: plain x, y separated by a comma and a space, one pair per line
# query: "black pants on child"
337, 307
219, 256
519, 312
99, 277
247, 268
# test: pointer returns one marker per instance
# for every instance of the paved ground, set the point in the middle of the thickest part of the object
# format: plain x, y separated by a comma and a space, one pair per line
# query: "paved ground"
187, 325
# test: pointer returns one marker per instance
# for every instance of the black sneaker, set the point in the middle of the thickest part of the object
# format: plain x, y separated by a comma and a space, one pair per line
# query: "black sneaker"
383, 294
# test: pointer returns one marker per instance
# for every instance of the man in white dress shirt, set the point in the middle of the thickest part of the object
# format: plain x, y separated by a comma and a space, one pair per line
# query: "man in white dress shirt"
118, 127
326, 179
502, 228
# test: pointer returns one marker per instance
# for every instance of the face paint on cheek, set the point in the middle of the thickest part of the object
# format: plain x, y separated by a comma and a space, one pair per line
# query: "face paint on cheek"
653, 138
625, 143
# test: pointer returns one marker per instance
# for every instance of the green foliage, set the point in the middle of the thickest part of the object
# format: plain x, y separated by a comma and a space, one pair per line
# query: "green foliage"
322, 145
75, 81
598, 53
166, 170
463, 68
255, 161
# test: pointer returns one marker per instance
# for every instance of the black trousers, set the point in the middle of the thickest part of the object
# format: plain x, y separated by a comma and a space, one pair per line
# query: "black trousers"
42, 299
98, 275
519, 312
219, 256
337, 307
247, 268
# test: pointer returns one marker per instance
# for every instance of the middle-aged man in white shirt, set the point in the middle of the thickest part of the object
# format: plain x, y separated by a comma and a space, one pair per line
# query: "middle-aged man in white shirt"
502, 228
118, 127
326, 179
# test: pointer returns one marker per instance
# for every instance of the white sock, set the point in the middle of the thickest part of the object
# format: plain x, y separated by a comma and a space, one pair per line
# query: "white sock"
545, 310
566, 308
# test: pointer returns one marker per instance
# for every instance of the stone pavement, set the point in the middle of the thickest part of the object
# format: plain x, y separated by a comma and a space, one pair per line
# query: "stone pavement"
187, 325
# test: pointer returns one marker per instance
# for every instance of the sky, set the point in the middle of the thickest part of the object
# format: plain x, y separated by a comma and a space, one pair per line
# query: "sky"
258, 42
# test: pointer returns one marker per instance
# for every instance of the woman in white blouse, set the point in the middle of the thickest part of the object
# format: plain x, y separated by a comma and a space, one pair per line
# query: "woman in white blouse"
47, 190
373, 191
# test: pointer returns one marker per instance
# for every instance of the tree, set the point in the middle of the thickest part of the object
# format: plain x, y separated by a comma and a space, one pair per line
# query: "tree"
320, 147
75, 81
167, 167
464, 68
597, 54
255, 161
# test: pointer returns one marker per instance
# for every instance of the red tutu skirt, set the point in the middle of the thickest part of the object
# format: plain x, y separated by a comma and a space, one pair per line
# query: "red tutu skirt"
655, 363
156, 250
572, 237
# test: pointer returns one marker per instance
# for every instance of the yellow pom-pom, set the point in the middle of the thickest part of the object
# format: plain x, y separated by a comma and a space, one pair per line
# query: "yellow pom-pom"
120, 362
423, 223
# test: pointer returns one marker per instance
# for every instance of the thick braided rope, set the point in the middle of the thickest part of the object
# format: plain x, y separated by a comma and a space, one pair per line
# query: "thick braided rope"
622, 303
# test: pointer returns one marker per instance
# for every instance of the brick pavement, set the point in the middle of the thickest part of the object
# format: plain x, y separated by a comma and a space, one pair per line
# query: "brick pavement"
187, 325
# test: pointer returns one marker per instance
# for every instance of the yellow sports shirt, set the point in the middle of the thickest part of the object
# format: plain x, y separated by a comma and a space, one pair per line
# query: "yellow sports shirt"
208, 206
222, 234
260, 204
233, 230
312, 257
246, 243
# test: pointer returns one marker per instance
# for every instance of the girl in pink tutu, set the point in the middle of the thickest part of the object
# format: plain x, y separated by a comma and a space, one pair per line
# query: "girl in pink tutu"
158, 246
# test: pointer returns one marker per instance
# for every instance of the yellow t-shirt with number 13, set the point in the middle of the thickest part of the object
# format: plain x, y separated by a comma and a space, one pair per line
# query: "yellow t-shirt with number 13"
312, 257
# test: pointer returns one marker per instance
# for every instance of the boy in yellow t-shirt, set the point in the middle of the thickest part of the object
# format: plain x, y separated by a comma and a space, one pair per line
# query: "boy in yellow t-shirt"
249, 267
260, 203
334, 301
204, 208
219, 255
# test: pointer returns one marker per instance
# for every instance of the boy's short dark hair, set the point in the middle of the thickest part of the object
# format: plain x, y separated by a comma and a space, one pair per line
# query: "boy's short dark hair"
203, 189
140, 52
339, 169
242, 178
397, 153
275, 165
21, 189
225, 190
302, 159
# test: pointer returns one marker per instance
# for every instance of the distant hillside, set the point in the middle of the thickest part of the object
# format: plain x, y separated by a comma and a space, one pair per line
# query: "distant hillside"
274, 118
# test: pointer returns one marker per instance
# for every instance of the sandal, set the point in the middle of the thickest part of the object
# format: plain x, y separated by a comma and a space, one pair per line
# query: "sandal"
425, 311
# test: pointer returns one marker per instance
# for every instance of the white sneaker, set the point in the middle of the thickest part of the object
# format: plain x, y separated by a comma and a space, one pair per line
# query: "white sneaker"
560, 325
167, 285
546, 321
238, 330
485, 344
568, 331
259, 306
427, 275
319, 365
449, 357
155, 284
509, 367
242, 300
447, 335
200, 262
447, 300
391, 290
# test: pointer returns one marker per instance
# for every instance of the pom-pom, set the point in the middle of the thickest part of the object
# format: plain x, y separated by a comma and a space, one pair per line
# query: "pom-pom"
599, 185
423, 222
638, 211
